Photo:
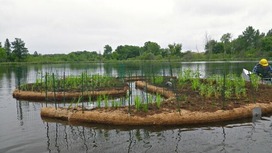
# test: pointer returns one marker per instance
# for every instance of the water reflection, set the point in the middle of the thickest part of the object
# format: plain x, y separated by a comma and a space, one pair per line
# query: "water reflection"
28, 73
62, 137
19, 112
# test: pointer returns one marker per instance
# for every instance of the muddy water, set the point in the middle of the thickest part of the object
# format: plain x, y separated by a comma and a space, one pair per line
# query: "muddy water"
22, 129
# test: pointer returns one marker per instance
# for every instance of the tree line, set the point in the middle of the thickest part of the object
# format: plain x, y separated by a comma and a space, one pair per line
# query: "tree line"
14, 51
250, 44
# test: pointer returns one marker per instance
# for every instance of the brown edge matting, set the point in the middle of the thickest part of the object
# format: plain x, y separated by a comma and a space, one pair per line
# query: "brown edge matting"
59, 96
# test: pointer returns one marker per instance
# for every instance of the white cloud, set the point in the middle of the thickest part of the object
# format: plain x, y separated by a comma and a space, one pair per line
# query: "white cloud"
62, 26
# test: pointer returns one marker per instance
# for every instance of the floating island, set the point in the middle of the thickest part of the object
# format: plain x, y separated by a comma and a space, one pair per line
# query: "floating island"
185, 99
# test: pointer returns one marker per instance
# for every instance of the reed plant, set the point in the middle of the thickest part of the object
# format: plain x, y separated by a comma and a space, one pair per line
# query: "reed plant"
158, 100
99, 100
138, 103
239, 89
255, 80
78, 101
184, 76
90, 99
113, 104
195, 83
106, 101
150, 98
217, 91
228, 93
145, 107
158, 80
71, 103
71, 82
202, 89
209, 91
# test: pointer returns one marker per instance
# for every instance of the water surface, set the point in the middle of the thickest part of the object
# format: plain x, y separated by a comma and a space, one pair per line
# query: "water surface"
23, 130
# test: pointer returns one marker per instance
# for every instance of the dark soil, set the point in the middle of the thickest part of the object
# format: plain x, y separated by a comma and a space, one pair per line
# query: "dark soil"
191, 100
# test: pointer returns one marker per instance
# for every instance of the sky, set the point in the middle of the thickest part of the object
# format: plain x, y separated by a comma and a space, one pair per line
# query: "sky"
64, 26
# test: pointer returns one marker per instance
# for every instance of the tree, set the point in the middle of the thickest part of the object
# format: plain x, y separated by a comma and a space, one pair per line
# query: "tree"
19, 49
269, 33
165, 52
3, 55
35, 54
175, 49
151, 47
267, 43
107, 51
251, 38
214, 47
7, 47
127, 51
225, 39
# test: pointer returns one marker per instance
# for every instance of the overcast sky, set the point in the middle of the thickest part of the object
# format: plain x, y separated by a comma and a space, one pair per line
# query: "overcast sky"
63, 26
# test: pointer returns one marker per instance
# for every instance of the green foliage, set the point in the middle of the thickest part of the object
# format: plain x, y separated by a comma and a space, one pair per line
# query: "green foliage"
209, 91
107, 52
7, 48
3, 55
158, 100
195, 83
19, 49
185, 76
152, 47
137, 102
214, 47
145, 107
202, 89
158, 80
72, 83
78, 101
216, 85
266, 44
106, 101
255, 80
127, 51
250, 44
175, 49
71, 103
99, 100
113, 104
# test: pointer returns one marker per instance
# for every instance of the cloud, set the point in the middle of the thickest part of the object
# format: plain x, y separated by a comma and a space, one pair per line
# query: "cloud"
62, 26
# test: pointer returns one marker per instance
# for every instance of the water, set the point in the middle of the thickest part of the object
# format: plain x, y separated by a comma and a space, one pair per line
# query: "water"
22, 129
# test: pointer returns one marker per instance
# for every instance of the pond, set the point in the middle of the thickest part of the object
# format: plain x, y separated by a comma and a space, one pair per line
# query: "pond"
23, 130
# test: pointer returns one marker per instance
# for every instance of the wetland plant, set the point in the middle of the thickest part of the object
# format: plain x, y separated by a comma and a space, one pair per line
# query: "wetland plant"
158, 100
255, 80
158, 80
145, 107
106, 101
184, 76
195, 83
99, 100
78, 101
137, 102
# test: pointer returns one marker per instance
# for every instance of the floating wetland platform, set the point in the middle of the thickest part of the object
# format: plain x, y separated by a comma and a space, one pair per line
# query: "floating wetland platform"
184, 114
